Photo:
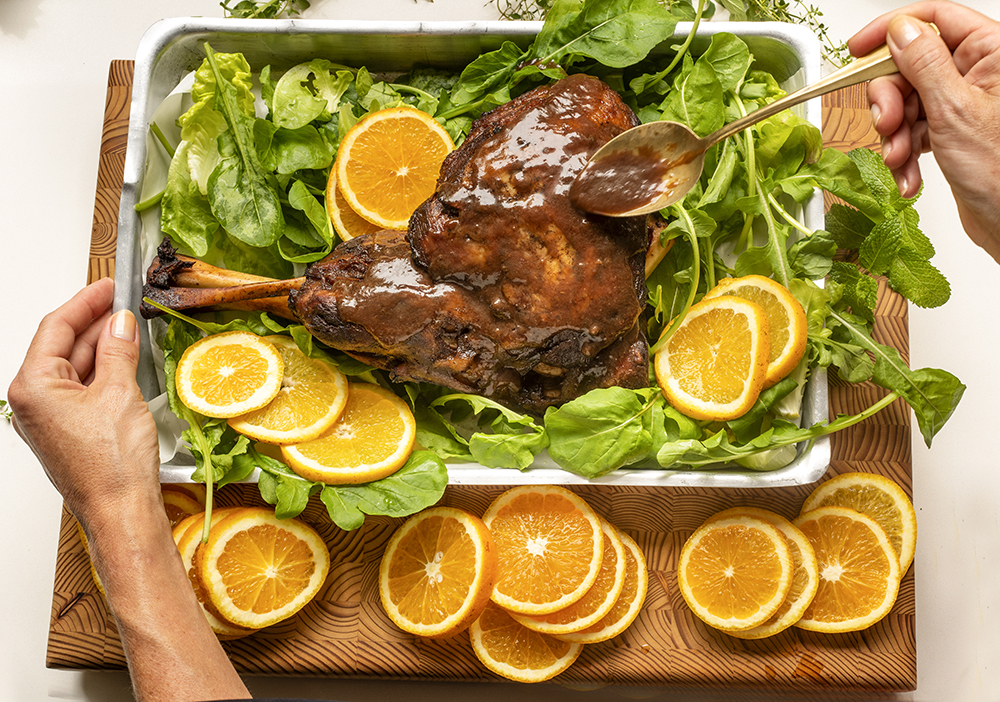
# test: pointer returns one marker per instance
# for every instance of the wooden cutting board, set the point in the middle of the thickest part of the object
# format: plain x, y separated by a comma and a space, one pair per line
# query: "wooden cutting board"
344, 632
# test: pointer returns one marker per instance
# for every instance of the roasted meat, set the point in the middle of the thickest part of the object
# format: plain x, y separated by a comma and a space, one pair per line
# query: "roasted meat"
500, 287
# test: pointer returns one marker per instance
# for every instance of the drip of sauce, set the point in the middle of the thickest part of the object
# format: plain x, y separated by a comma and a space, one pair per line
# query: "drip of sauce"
623, 181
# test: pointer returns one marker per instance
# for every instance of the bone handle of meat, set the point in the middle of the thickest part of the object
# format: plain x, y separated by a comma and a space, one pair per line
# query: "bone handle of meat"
182, 283
180, 298
205, 275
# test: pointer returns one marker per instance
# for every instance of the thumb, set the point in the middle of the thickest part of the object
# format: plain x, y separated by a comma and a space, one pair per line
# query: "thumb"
923, 59
117, 354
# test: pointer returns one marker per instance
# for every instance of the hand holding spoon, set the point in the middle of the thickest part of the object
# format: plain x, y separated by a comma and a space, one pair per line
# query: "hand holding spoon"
649, 167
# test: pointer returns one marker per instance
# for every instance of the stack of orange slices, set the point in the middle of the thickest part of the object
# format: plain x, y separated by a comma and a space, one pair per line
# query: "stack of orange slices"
745, 335
835, 568
328, 430
537, 577
255, 570
386, 166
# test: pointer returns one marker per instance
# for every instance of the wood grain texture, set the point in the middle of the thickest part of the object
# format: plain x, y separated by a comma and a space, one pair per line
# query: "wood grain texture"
111, 167
344, 631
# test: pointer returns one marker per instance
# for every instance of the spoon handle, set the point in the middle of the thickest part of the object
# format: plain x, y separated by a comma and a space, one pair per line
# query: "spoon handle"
872, 65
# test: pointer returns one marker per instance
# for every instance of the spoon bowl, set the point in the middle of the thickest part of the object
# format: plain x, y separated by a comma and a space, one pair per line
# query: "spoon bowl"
652, 166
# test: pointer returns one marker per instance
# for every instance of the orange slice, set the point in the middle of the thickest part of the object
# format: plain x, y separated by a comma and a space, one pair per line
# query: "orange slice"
598, 601
510, 649
371, 439
187, 536
228, 374
734, 573
550, 546
787, 326
388, 163
805, 577
347, 223
714, 365
196, 491
258, 570
312, 396
437, 572
93, 571
180, 505
877, 497
858, 570
629, 602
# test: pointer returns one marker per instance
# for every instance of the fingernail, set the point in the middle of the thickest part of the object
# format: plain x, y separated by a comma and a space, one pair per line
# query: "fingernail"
886, 148
123, 325
903, 29
876, 114
902, 183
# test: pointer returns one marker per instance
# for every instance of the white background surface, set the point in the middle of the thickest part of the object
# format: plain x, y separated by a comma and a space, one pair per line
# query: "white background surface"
54, 57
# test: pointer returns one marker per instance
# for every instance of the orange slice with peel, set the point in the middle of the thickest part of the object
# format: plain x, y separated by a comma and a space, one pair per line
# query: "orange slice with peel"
787, 326
187, 536
629, 602
878, 497
805, 577
346, 222
196, 491
258, 570
714, 365
734, 573
312, 396
437, 572
550, 547
93, 571
388, 164
179, 505
228, 374
517, 653
858, 570
372, 438
598, 601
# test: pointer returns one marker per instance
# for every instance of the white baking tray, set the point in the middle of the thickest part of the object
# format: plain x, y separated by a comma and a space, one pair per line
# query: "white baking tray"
172, 48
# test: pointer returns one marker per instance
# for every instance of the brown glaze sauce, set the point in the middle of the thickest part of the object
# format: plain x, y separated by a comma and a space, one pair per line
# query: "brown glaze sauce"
623, 181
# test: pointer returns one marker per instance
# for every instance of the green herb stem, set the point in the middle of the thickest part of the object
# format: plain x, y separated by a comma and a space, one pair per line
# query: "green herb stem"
174, 313
744, 240
788, 217
692, 237
683, 48
161, 137
149, 202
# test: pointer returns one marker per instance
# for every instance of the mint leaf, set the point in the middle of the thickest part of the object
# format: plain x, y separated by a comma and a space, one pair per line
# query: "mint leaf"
917, 280
847, 226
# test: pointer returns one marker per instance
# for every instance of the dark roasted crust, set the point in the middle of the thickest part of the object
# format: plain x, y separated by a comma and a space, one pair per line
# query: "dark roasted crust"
500, 287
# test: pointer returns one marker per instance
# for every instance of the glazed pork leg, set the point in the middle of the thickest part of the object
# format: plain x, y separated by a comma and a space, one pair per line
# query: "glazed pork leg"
500, 287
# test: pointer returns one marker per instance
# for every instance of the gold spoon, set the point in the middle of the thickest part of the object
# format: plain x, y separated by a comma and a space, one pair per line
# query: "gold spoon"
649, 167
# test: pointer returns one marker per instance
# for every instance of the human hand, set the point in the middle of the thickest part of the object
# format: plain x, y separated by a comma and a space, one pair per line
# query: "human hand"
944, 102
77, 405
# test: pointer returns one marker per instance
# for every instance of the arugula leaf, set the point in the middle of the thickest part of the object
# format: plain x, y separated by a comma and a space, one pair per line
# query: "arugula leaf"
513, 439
600, 431
932, 393
267, 9
309, 91
418, 484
